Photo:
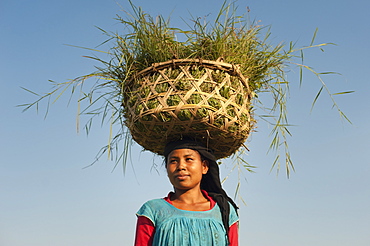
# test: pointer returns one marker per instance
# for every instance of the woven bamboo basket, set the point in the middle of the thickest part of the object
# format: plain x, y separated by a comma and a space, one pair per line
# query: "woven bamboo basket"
205, 100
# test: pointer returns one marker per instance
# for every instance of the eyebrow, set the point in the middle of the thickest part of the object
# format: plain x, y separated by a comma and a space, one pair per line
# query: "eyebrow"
187, 155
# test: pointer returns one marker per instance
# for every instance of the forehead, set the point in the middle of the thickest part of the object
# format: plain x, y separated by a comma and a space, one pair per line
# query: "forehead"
183, 152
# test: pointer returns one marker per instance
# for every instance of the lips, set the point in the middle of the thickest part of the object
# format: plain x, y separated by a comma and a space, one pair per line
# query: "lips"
181, 176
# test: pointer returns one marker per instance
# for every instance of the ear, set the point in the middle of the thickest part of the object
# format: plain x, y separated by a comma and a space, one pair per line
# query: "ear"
205, 166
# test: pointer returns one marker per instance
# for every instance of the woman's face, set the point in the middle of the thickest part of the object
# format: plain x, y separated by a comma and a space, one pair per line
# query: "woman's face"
185, 168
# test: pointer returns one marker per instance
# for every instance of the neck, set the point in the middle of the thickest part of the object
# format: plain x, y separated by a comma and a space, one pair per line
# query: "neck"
191, 196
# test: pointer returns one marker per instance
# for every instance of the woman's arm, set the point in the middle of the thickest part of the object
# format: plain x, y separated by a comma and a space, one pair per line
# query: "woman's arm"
233, 234
144, 231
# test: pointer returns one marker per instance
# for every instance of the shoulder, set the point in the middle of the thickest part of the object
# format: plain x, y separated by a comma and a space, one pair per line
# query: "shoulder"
152, 205
233, 215
151, 208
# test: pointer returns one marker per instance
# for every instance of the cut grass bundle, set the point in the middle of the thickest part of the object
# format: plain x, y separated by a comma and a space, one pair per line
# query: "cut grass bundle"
159, 86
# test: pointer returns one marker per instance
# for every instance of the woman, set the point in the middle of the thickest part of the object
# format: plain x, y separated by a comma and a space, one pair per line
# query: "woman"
198, 212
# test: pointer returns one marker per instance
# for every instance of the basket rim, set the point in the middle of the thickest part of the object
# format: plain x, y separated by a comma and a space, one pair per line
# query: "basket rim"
218, 64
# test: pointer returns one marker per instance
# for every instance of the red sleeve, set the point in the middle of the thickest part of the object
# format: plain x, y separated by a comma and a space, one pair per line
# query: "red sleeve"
233, 234
144, 231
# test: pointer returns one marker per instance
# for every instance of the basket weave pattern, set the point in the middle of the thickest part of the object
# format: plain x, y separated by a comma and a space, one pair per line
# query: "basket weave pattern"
205, 100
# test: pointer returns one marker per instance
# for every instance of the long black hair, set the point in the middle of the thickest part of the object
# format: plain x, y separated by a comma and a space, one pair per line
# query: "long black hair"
211, 180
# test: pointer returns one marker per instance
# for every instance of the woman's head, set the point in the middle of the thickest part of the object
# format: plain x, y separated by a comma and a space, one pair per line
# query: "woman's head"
210, 180
185, 168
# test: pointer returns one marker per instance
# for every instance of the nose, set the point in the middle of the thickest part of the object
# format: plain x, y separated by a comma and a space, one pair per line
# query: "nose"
181, 165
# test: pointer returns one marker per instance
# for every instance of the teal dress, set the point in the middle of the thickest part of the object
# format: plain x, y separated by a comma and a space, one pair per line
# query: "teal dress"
176, 227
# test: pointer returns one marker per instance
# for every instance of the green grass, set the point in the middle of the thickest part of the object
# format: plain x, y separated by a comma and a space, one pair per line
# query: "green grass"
106, 92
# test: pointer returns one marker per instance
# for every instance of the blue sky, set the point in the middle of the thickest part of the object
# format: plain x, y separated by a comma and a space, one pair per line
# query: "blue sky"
48, 198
